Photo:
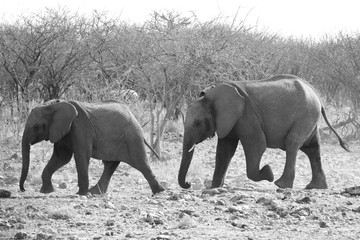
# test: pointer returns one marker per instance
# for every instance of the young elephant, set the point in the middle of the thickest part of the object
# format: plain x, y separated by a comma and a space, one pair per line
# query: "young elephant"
279, 112
105, 130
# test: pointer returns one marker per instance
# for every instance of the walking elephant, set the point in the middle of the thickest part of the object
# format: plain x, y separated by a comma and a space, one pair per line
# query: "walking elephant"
106, 130
280, 112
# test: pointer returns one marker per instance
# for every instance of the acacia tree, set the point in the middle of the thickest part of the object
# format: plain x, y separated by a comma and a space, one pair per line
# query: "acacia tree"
65, 56
21, 46
159, 67
338, 77
174, 55
42, 54
339, 64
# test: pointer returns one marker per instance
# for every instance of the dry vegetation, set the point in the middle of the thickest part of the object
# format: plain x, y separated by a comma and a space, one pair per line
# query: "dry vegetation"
167, 60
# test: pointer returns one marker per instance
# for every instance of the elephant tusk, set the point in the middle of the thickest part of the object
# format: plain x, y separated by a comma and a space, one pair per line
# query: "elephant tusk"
192, 148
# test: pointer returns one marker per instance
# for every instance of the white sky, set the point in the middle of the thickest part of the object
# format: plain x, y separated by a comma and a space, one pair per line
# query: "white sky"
299, 18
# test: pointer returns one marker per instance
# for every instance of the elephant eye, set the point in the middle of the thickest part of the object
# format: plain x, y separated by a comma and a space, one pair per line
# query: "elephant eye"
39, 127
197, 123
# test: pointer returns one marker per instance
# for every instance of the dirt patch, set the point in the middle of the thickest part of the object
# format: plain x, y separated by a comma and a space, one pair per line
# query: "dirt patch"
241, 210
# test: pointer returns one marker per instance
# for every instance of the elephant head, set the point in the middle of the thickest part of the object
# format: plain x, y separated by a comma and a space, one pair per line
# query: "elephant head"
50, 122
217, 110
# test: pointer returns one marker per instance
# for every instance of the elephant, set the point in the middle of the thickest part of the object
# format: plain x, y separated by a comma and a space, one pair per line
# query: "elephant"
280, 112
105, 130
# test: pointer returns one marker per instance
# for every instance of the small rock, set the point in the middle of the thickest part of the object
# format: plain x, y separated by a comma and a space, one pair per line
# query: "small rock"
238, 224
41, 236
207, 183
301, 212
153, 220
264, 201
21, 226
220, 203
8, 167
174, 197
78, 224
79, 206
15, 156
129, 235
5, 193
280, 190
214, 191
83, 197
187, 197
357, 210
123, 207
190, 212
323, 224
352, 191
109, 205
186, 223
238, 199
161, 237
63, 185
234, 209
20, 235
31, 208
110, 223
4, 225
305, 200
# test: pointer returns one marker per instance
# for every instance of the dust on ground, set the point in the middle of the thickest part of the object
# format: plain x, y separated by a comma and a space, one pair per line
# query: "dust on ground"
242, 209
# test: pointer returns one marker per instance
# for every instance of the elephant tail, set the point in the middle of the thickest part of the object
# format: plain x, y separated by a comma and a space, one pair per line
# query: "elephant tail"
148, 145
343, 144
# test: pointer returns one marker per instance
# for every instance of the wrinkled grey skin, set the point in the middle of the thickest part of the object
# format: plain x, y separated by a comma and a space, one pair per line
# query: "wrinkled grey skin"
105, 130
279, 112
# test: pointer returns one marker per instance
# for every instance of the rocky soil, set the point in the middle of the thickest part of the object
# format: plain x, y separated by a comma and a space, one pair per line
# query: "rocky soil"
242, 209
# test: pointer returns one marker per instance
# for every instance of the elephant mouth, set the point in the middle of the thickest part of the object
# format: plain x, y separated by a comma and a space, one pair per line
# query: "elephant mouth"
35, 141
204, 137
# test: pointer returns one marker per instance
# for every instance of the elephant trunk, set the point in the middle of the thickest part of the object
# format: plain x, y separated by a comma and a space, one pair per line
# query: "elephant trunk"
188, 151
25, 159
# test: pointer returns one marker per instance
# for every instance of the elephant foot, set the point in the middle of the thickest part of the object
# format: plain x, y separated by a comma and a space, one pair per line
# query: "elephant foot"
266, 173
97, 190
157, 189
317, 184
83, 193
47, 189
284, 183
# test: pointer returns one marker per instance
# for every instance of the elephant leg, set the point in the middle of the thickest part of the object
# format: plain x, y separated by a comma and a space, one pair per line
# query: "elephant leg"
296, 137
137, 159
225, 150
312, 150
61, 156
82, 159
102, 186
287, 178
253, 154
150, 177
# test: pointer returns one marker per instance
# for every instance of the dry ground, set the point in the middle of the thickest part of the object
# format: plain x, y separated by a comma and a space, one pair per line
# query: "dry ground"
241, 210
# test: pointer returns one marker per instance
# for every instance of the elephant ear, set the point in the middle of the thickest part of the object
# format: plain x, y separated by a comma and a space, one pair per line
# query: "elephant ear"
63, 114
228, 105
